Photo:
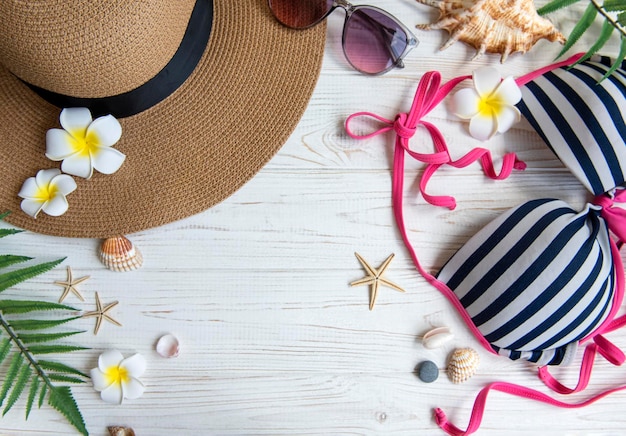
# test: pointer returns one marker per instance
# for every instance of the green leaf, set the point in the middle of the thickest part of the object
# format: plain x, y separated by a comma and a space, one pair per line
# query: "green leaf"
605, 34
5, 347
621, 18
555, 5
614, 5
12, 278
39, 324
59, 367
26, 306
32, 393
34, 338
65, 378
10, 259
618, 60
7, 232
3, 215
18, 386
583, 24
51, 349
62, 400
14, 367
42, 395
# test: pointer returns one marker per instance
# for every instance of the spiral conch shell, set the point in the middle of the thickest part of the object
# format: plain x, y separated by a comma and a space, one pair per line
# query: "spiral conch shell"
462, 364
120, 254
492, 26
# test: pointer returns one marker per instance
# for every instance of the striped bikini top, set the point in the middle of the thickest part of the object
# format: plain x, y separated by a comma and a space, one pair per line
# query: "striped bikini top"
542, 278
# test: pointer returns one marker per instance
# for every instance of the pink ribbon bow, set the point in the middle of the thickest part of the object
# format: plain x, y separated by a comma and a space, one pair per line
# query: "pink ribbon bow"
615, 217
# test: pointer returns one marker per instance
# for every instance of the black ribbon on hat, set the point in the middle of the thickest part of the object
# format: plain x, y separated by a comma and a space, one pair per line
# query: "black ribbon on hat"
163, 84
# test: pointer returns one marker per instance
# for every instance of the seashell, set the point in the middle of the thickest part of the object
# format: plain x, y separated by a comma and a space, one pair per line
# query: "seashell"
493, 26
120, 431
120, 254
462, 364
437, 337
168, 346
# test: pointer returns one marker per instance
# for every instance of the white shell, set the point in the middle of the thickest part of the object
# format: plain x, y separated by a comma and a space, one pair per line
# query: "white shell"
120, 254
120, 431
437, 337
462, 364
168, 346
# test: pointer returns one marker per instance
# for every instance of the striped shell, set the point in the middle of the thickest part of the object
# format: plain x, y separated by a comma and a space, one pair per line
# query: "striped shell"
120, 254
462, 364
492, 26
437, 337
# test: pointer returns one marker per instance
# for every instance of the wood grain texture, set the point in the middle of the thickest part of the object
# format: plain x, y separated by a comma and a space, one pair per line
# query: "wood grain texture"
274, 340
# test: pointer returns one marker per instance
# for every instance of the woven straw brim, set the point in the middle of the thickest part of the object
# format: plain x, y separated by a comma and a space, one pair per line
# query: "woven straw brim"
190, 151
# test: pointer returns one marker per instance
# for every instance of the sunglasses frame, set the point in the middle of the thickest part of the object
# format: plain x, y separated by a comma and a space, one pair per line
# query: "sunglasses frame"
349, 8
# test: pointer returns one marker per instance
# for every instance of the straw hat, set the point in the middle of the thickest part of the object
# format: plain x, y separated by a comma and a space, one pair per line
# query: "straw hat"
191, 150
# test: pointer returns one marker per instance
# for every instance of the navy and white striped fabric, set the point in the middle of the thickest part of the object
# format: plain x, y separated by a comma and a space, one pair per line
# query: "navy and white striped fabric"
536, 280
582, 121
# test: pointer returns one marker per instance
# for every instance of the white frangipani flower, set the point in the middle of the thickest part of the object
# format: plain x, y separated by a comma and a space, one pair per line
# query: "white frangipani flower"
489, 105
84, 144
46, 191
117, 378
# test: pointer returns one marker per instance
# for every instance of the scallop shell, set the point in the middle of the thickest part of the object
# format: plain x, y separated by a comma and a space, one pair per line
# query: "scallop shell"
493, 26
120, 431
168, 346
462, 364
120, 254
437, 337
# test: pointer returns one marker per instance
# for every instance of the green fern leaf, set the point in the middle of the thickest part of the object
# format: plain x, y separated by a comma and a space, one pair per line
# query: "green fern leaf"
605, 34
53, 349
39, 324
60, 367
42, 395
34, 338
18, 386
618, 60
62, 400
5, 347
581, 27
555, 5
12, 278
26, 306
621, 18
14, 367
65, 378
7, 232
614, 5
9, 259
32, 393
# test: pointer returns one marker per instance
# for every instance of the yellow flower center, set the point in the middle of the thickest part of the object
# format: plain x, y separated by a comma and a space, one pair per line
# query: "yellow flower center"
116, 375
83, 143
490, 105
46, 193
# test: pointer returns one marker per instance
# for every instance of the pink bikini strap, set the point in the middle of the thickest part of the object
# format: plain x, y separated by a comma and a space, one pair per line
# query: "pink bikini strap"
512, 389
522, 80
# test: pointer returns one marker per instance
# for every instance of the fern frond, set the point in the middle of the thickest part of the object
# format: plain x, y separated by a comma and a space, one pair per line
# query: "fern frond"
42, 395
32, 393
39, 324
618, 60
614, 5
53, 349
62, 400
65, 378
5, 347
12, 278
555, 5
7, 232
14, 367
26, 306
18, 386
10, 259
35, 338
581, 27
59, 367
605, 34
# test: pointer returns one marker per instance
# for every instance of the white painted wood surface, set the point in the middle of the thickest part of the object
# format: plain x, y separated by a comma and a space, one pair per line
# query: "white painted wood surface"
274, 341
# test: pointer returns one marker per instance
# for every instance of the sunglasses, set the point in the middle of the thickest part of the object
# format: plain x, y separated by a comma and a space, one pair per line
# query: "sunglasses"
374, 41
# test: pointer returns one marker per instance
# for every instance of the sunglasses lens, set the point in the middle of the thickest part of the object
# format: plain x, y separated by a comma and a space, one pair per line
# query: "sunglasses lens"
372, 41
299, 14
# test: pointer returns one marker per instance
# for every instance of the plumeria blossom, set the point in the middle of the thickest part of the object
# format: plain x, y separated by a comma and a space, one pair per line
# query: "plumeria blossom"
117, 378
46, 191
489, 105
84, 144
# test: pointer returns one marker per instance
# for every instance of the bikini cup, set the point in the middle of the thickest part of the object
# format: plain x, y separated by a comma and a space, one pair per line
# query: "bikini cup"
542, 278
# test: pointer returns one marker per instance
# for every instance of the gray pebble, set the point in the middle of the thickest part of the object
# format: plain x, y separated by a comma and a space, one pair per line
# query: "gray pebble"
427, 371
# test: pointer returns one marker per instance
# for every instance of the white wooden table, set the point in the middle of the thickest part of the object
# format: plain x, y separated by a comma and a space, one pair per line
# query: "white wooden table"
274, 340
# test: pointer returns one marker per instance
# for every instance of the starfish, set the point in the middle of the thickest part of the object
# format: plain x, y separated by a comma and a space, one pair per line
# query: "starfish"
375, 278
101, 313
70, 285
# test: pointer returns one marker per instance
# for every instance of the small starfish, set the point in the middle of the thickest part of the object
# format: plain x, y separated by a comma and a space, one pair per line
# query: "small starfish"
70, 285
375, 278
101, 313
